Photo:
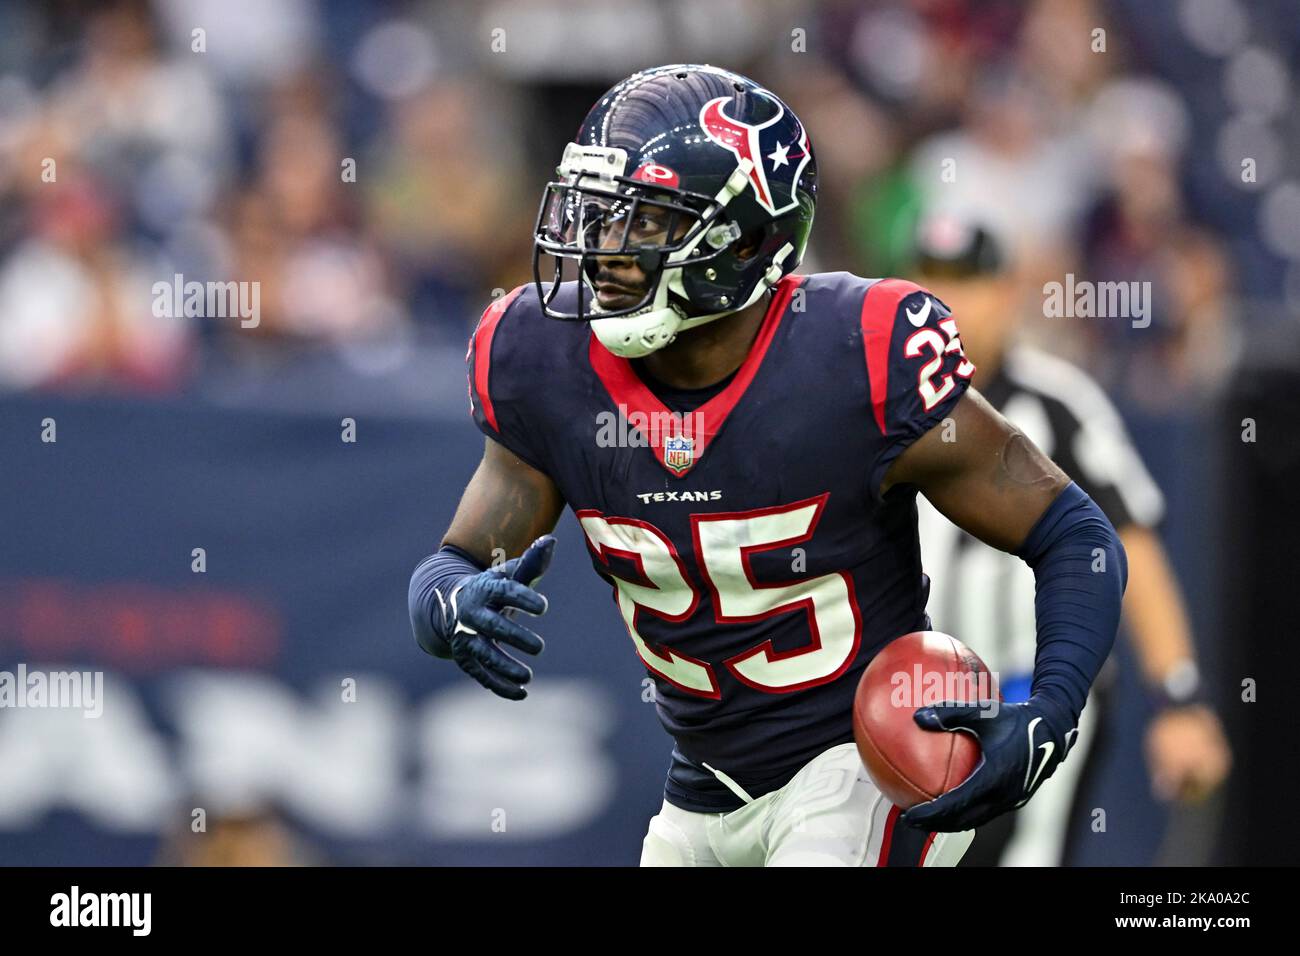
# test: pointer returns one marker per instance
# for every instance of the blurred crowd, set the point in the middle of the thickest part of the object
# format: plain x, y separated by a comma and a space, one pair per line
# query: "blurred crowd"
376, 167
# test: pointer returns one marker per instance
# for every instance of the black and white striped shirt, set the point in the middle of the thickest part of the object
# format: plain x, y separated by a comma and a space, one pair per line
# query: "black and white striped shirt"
985, 597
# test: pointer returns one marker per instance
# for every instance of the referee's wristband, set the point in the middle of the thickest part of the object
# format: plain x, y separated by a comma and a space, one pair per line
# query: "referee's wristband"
1181, 687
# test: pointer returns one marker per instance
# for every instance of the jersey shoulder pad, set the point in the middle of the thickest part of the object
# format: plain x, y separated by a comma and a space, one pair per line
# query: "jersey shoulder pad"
912, 347
504, 362
916, 369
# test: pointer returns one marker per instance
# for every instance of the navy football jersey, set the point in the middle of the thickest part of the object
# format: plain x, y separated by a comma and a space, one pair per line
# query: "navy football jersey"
752, 558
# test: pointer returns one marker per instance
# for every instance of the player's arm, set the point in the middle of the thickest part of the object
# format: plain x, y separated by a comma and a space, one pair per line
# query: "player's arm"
990, 480
982, 473
506, 505
461, 597
1186, 748
1187, 752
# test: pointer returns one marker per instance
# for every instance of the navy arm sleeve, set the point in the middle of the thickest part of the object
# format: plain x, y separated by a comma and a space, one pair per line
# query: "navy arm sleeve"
1080, 570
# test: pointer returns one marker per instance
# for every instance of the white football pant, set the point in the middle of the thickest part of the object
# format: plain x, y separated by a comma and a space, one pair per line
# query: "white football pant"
829, 814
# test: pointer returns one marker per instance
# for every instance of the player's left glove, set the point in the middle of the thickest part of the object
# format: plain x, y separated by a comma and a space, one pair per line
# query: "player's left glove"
1021, 745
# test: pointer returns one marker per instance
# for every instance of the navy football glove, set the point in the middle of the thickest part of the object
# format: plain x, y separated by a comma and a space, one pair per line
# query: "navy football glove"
1020, 748
476, 620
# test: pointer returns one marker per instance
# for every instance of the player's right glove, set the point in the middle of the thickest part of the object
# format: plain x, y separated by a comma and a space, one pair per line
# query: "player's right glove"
472, 620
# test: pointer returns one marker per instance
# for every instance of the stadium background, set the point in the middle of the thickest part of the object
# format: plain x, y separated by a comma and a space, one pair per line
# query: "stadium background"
224, 154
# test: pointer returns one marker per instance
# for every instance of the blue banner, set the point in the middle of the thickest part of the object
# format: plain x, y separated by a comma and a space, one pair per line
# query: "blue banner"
238, 578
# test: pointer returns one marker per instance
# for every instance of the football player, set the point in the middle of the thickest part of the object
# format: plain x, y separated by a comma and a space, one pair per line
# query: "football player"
759, 530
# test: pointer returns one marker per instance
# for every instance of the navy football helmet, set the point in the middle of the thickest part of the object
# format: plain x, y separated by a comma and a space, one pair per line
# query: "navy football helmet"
700, 176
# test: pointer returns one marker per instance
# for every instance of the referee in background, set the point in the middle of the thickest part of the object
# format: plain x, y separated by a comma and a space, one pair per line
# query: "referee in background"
986, 598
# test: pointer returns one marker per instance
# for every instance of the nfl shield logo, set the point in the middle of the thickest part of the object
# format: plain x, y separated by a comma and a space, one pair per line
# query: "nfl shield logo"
679, 453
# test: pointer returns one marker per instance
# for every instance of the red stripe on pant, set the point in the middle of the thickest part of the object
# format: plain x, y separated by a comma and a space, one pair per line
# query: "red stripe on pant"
903, 845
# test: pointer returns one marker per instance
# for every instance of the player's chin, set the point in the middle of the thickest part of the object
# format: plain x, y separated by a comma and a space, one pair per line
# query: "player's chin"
610, 299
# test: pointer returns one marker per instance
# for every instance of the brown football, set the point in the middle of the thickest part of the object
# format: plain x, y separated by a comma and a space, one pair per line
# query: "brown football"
911, 765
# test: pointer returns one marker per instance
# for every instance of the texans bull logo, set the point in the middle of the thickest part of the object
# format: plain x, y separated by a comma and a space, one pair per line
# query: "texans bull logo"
779, 156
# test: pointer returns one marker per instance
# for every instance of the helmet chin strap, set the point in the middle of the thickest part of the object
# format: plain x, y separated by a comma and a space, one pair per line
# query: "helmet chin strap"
639, 334
770, 278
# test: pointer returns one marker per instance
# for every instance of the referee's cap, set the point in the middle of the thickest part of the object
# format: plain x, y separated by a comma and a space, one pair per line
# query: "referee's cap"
954, 246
